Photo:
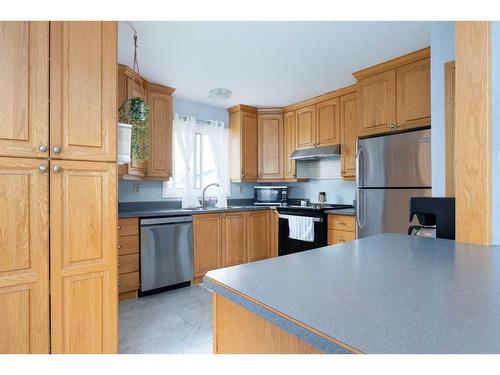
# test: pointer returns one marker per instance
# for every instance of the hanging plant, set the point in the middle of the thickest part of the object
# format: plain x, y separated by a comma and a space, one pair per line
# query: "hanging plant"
135, 111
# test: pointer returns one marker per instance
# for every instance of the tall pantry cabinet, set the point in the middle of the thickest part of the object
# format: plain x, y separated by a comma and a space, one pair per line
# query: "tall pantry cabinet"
58, 187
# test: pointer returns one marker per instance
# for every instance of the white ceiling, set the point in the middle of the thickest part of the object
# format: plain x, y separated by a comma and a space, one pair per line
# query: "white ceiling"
264, 63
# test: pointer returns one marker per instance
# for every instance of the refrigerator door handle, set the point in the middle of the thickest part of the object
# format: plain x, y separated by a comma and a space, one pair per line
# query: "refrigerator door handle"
360, 167
360, 208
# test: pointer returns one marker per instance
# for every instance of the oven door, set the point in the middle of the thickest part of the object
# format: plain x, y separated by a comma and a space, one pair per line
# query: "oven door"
287, 245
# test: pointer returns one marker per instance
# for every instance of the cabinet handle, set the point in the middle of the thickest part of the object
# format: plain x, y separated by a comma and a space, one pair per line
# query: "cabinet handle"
119, 227
397, 125
119, 265
42, 168
341, 239
119, 285
57, 169
391, 126
341, 222
42, 148
119, 246
56, 149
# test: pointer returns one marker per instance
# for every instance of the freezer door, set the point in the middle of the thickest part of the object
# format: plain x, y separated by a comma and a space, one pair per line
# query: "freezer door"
385, 210
397, 160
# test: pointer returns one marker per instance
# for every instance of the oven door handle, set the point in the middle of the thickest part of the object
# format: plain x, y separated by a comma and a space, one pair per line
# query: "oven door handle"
315, 219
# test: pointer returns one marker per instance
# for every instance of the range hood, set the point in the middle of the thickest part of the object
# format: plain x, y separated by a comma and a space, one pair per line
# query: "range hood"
316, 153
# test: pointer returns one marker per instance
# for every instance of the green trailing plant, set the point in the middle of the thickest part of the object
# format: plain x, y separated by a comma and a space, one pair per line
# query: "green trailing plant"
135, 111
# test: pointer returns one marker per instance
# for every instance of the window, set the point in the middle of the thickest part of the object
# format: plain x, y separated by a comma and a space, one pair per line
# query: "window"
203, 168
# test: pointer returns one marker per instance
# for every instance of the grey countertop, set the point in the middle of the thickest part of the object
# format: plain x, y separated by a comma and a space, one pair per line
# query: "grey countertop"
389, 293
343, 211
180, 211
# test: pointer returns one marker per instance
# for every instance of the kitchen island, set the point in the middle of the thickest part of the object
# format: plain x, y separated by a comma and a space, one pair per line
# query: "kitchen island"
389, 293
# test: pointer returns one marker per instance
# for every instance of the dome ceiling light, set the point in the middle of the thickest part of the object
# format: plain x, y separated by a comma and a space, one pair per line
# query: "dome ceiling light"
219, 94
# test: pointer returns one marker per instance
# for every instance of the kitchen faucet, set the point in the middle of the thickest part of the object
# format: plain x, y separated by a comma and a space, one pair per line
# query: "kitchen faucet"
203, 194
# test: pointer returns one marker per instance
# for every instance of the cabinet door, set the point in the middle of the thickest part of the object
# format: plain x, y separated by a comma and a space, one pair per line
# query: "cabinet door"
233, 239
160, 135
290, 144
328, 122
24, 94
83, 257
24, 253
83, 90
134, 89
414, 94
348, 126
377, 103
306, 127
259, 236
207, 243
249, 146
270, 134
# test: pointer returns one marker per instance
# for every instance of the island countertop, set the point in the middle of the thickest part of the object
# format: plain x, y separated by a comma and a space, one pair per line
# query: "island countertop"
389, 293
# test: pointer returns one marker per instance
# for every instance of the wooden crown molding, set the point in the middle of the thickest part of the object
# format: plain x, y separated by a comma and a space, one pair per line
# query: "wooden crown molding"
321, 98
270, 111
242, 108
129, 72
394, 63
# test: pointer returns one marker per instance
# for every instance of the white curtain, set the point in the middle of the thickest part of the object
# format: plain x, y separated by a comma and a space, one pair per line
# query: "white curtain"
184, 128
218, 136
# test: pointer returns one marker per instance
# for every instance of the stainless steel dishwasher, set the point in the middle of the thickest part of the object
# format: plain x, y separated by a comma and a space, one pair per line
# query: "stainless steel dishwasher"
166, 252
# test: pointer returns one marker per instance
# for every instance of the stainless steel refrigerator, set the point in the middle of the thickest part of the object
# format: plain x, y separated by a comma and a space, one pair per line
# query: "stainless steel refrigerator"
389, 170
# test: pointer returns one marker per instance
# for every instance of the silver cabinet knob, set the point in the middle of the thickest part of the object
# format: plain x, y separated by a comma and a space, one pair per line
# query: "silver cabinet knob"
42, 168
397, 125
56, 149
56, 169
42, 148
391, 126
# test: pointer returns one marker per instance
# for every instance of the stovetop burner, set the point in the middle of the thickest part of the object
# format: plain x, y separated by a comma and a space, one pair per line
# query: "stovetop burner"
318, 206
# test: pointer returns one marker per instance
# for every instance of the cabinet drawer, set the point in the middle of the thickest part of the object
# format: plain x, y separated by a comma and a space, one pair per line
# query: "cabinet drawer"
128, 227
128, 263
340, 236
128, 282
128, 245
342, 222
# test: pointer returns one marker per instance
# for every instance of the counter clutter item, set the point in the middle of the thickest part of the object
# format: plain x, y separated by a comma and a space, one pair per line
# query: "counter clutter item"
342, 298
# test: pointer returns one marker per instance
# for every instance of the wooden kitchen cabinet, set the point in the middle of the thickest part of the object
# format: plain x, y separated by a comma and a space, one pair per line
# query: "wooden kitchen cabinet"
289, 144
244, 143
348, 128
270, 145
341, 228
259, 235
159, 163
207, 239
24, 256
306, 127
83, 73
83, 257
128, 258
413, 90
24, 97
377, 103
328, 122
394, 95
233, 238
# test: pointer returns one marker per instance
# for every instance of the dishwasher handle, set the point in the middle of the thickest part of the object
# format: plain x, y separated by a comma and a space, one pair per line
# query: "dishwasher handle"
166, 220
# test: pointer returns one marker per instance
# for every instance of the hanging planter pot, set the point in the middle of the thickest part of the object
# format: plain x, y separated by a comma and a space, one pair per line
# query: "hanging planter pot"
135, 112
124, 141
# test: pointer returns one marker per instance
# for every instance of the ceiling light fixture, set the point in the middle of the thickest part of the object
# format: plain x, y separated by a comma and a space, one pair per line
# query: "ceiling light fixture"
219, 94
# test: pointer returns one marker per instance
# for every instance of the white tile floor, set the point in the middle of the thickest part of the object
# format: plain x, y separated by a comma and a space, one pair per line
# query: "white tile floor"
177, 321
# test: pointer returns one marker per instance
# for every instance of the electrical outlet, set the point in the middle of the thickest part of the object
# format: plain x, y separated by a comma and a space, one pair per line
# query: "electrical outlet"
136, 188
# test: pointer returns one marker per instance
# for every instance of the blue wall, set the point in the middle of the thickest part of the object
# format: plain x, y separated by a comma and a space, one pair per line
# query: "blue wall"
442, 51
199, 110
495, 131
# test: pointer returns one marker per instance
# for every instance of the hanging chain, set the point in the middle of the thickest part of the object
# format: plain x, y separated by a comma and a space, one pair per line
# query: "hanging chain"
136, 65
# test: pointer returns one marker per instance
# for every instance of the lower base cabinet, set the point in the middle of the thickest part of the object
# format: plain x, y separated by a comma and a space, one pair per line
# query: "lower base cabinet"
228, 239
341, 228
128, 258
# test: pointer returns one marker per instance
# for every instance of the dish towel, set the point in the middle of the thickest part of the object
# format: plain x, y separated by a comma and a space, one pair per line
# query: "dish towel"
301, 228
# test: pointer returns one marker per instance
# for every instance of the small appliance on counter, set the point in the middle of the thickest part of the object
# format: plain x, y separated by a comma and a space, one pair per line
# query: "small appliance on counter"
270, 195
436, 217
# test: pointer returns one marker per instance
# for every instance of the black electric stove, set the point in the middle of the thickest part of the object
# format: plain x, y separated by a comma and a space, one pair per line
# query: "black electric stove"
316, 211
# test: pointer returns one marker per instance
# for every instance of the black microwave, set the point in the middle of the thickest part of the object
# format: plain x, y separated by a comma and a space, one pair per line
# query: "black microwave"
270, 195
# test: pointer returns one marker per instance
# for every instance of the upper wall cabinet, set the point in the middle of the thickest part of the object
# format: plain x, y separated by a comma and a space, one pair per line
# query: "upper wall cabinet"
395, 95
306, 127
348, 127
82, 90
318, 124
244, 141
24, 97
270, 147
158, 166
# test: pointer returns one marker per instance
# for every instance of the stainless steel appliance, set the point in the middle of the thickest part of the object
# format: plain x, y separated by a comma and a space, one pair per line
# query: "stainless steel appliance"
270, 195
389, 170
287, 245
166, 252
